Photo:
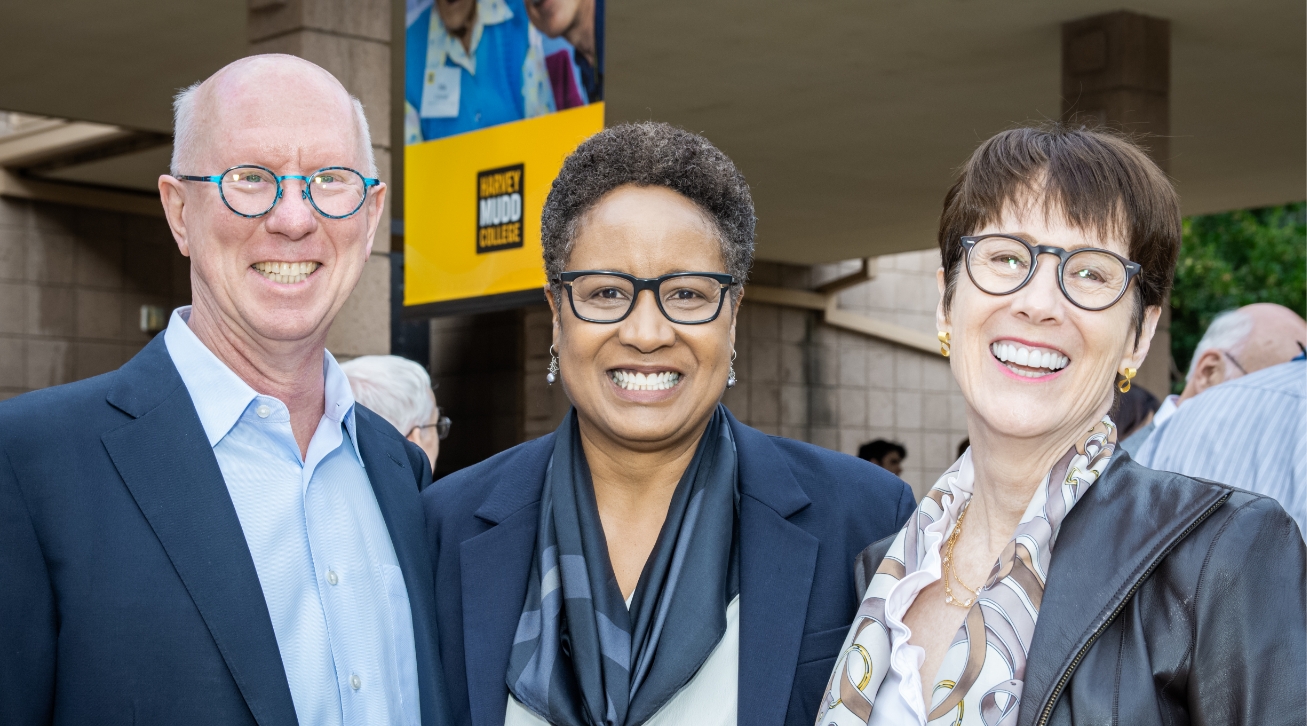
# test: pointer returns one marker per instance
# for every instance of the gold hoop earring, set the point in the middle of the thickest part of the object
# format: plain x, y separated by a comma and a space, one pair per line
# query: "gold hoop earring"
1123, 385
944, 347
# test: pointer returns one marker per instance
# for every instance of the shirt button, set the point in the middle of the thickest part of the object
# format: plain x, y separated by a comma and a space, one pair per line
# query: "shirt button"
355, 682
263, 410
332, 578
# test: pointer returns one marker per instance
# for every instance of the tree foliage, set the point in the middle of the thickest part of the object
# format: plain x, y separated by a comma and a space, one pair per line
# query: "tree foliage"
1233, 259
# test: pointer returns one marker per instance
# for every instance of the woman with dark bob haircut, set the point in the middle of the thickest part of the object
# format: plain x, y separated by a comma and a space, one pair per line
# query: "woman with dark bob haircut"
653, 561
1046, 578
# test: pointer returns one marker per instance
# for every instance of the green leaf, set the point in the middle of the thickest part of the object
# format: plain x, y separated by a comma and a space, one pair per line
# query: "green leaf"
1233, 259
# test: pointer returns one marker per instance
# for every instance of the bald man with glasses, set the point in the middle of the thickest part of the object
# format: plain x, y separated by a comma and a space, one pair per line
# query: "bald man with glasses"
215, 533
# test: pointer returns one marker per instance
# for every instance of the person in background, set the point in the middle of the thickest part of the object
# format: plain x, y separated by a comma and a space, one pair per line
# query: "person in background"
653, 561
400, 391
1250, 432
885, 454
1046, 578
478, 63
573, 47
215, 533
1236, 343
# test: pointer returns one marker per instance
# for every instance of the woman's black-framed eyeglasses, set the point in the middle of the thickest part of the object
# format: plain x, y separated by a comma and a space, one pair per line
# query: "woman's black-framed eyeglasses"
442, 424
686, 298
252, 191
1091, 279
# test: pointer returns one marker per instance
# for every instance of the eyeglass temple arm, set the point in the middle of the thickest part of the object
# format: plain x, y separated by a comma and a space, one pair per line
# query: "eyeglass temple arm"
217, 178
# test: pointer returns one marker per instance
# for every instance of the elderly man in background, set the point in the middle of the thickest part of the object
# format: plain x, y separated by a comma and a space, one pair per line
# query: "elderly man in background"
1236, 343
214, 533
400, 391
1251, 430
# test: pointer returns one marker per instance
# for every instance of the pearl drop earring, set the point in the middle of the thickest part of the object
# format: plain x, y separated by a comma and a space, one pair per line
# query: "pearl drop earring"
552, 375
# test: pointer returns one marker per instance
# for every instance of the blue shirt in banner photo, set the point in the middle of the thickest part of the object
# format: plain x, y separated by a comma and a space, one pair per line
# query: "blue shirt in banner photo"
499, 77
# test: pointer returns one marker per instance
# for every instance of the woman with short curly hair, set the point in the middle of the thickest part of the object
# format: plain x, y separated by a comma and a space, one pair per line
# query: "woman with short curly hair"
653, 561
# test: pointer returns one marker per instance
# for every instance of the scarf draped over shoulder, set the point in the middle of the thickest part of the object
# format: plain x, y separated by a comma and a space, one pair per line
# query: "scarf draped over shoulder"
980, 680
580, 657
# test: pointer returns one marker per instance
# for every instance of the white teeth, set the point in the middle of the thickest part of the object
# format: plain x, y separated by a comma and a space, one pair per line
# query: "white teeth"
1029, 357
635, 381
287, 272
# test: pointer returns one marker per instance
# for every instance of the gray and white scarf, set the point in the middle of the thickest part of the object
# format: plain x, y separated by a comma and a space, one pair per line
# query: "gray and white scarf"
980, 681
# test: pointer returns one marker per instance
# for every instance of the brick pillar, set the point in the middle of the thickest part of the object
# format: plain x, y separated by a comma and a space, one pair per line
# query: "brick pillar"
1116, 70
351, 39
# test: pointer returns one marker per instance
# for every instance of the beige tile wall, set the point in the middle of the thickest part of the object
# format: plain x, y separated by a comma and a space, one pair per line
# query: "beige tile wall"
72, 283
806, 380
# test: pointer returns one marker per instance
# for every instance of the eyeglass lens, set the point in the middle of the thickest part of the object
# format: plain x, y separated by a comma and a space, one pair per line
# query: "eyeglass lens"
684, 299
1091, 279
252, 191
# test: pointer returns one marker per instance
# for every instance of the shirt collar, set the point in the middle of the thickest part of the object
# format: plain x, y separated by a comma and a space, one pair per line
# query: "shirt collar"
221, 397
339, 403
1164, 411
442, 45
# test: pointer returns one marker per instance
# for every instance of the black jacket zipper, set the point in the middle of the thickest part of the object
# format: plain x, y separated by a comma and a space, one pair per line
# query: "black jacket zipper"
1052, 700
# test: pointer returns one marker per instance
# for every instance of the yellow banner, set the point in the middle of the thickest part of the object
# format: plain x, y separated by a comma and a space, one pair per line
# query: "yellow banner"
472, 206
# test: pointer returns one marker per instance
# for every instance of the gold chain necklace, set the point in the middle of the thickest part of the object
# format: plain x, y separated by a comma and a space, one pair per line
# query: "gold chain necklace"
948, 568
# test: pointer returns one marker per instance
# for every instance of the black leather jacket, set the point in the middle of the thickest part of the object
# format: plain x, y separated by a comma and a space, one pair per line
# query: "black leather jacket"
1169, 600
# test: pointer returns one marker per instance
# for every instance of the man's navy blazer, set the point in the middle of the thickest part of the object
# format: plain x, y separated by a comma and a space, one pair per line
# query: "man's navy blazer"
805, 514
127, 592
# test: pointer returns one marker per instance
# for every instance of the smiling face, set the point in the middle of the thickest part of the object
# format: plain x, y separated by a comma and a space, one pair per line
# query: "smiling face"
457, 15
283, 276
555, 17
1031, 364
645, 382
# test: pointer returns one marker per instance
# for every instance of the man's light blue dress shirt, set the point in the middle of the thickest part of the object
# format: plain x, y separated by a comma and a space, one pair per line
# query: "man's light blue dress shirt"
320, 546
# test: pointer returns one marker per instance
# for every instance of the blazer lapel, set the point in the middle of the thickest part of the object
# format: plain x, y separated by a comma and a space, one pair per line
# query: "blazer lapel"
165, 460
777, 561
495, 566
1092, 574
396, 490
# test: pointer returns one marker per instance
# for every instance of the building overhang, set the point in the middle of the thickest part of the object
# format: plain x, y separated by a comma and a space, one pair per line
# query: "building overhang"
849, 118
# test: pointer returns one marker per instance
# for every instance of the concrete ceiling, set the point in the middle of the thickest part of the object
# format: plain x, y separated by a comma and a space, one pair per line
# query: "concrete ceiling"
113, 61
848, 117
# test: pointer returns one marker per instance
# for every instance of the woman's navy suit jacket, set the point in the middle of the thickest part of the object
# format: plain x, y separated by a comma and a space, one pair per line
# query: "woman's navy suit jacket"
805, 514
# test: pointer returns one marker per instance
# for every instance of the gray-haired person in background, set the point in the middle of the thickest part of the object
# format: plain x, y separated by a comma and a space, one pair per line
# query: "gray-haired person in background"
1236, 343
400, 391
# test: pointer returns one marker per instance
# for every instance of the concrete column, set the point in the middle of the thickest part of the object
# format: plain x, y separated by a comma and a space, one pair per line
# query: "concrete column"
351, 39
1116, 71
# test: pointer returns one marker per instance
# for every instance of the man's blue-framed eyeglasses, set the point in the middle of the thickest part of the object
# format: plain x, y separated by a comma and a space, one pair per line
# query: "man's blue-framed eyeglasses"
252, 191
